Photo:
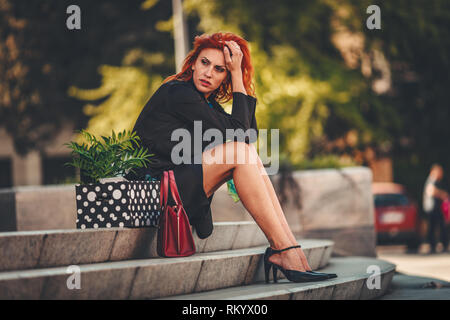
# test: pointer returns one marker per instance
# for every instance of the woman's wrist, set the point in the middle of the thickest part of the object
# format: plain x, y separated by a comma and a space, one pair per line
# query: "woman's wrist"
237, 82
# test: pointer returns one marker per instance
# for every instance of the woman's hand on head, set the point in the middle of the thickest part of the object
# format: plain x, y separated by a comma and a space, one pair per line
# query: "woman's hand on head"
233, 61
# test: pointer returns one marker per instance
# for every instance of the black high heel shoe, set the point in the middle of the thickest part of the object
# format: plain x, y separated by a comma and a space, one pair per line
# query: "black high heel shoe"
291, 275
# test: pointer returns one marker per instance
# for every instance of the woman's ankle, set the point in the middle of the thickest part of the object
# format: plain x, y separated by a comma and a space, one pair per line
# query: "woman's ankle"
288, 259
281, 245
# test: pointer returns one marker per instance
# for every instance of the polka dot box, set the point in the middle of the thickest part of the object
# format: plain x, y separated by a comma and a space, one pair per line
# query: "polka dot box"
118, 204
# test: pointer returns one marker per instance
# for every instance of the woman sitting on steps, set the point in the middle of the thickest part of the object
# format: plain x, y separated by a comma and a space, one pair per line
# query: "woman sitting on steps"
218, 69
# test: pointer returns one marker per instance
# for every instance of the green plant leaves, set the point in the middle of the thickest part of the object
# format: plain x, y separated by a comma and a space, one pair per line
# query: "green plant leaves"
107, 157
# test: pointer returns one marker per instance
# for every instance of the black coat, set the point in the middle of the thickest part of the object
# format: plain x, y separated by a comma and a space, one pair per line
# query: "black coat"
177, 104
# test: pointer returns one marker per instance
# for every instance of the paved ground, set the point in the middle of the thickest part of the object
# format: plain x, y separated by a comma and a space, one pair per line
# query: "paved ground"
419, 276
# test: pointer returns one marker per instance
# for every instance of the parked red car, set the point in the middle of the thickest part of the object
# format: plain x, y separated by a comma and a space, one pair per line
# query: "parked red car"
397, 218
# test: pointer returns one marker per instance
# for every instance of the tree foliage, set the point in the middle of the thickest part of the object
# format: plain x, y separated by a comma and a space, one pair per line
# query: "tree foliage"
40, 59
124, 90
415, 39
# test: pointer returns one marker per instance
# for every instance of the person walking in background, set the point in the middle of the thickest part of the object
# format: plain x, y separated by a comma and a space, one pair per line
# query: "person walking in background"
433, 196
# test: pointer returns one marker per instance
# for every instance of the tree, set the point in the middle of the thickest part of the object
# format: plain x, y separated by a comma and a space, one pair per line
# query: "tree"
40, 59
416, 43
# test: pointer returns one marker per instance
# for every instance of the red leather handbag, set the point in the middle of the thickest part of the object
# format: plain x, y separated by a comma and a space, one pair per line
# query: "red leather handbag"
174, 234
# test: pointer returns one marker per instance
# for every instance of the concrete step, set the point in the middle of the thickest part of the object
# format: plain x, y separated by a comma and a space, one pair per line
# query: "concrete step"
151, 278
354, 274
53, 248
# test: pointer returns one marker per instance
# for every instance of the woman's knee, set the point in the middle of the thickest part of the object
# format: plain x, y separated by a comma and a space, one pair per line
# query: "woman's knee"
254, 157
232, 153
241, 153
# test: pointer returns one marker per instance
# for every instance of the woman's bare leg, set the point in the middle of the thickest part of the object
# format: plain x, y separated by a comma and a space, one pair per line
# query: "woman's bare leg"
279, 211
219, 164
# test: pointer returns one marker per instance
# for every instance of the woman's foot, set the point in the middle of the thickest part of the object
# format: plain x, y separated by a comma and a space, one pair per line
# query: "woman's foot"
289, 260
289, 264
308, 268
303, 259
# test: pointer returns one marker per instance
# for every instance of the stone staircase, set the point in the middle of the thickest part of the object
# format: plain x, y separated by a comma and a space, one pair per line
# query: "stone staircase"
349, 285
123, 264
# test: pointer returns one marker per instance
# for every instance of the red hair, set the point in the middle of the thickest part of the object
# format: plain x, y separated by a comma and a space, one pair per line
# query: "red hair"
217, 41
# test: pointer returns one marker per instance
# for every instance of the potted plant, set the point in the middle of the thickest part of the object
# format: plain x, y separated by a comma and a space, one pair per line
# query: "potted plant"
102, 203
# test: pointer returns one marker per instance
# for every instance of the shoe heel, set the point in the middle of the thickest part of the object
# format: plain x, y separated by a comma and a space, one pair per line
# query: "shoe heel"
267, 270
274, 274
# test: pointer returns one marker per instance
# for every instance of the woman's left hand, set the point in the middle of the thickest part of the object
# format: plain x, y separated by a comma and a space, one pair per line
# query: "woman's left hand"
233, 61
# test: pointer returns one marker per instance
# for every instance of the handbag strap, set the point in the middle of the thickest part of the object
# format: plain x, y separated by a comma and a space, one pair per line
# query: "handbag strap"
164, 192
174, 189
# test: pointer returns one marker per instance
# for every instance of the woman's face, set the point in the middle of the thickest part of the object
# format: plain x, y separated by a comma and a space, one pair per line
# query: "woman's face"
209, 70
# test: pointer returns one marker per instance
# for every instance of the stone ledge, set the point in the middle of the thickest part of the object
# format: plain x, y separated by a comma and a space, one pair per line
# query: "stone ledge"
354, 241
23, 208
52, 248
150, 278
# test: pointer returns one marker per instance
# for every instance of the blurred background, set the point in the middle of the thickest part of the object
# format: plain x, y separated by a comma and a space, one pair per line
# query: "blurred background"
340, 93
